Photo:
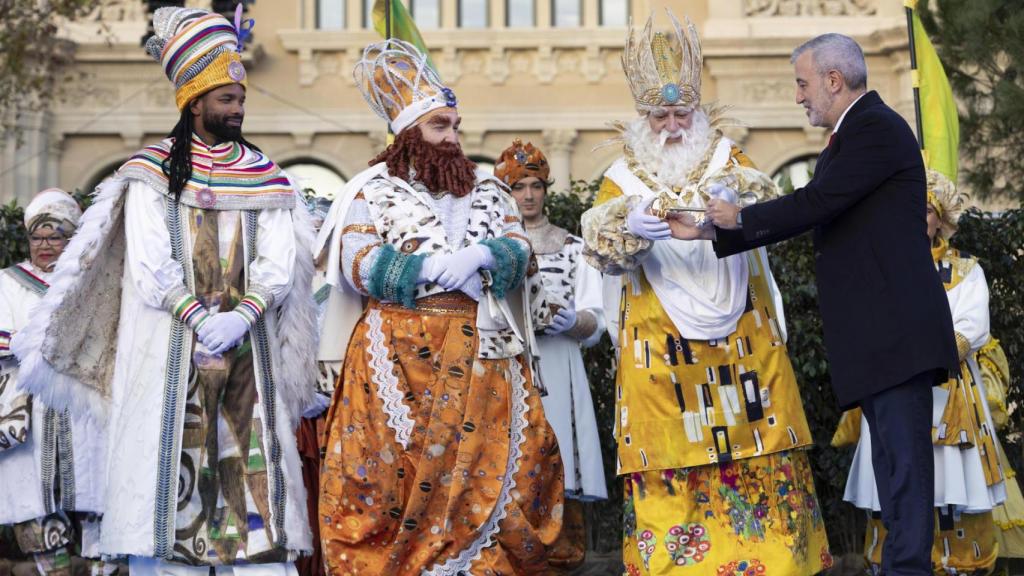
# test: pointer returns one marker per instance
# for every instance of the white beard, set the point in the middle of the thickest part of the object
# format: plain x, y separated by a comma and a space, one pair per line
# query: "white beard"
669, 164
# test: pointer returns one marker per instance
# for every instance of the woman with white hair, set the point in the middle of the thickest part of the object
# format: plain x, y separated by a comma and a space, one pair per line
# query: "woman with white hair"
49, 470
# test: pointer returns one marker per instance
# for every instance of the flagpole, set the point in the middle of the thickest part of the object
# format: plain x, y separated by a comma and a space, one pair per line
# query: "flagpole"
387, 19
914, 74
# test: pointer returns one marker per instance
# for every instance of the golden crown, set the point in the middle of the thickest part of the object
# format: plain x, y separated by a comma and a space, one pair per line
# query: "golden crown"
663, 68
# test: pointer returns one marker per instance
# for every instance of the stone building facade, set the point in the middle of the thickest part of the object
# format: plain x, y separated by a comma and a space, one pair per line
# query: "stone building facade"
544, 70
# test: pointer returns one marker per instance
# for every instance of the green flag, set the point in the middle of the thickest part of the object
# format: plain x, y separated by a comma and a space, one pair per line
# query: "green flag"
403, 26
940, 124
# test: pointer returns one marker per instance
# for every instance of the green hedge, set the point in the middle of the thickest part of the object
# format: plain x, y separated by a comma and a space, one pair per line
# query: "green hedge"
998, 240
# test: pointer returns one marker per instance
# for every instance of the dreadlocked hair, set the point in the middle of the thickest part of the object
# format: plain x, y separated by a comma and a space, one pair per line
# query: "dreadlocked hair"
442, 167
178, 164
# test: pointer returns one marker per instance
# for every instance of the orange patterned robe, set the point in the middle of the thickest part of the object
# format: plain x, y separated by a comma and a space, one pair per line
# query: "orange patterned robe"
437, 461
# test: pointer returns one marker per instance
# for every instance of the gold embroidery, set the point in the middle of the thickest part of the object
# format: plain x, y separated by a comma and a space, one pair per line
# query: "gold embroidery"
357, 262
359, 229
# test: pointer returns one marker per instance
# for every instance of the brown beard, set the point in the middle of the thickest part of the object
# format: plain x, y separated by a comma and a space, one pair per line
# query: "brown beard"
440, 167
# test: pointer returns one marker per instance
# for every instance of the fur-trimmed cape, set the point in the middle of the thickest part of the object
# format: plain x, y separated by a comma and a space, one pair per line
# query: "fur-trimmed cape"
68, 351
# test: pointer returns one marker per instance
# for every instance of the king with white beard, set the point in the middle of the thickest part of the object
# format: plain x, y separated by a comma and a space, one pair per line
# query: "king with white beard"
710, 427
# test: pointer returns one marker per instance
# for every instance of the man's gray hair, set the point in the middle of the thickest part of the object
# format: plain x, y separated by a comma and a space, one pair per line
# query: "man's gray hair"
837, 52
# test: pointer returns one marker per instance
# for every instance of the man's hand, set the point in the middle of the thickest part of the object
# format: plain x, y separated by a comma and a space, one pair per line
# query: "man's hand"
723, 214
684, 227
640, 222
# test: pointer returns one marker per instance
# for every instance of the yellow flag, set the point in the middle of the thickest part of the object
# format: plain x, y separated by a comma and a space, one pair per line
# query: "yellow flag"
403, 26
940, 125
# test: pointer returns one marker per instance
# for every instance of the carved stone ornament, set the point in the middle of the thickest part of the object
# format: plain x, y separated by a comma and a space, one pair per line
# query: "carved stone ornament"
770, 8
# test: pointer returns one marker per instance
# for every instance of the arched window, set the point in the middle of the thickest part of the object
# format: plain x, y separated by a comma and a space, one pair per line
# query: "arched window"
102, 175
321, 179
796, 173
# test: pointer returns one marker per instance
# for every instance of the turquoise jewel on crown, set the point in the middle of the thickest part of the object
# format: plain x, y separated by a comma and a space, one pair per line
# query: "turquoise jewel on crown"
670, 92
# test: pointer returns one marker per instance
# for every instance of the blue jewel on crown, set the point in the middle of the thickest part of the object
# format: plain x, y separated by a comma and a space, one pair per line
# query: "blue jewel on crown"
449, 97
521, 157
670, 92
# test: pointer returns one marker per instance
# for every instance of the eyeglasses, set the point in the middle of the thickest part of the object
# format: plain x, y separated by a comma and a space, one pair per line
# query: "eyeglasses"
48, 240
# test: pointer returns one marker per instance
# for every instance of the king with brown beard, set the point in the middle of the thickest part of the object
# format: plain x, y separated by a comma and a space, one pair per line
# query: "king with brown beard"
438, 455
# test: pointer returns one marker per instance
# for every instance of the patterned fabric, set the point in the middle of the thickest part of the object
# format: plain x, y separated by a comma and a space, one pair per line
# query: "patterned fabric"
198, 51
15, 411
965, 544
228, 176
437, 461
570, 550
405, 218
190, 311
223, 511
748, 517
519, 161
684, 403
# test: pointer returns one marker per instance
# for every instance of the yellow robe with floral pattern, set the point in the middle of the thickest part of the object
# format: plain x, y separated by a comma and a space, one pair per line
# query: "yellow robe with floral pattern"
710, 438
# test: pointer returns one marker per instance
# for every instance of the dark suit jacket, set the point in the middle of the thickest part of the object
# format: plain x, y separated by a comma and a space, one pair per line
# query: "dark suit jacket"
884, 309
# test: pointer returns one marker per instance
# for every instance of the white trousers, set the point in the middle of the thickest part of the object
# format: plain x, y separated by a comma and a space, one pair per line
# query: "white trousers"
141, 566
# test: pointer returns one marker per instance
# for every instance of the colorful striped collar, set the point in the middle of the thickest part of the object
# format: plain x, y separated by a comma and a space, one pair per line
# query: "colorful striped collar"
28, 277
227, 176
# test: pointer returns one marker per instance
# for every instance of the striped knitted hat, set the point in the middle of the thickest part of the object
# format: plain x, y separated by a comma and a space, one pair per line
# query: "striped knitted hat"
199, 51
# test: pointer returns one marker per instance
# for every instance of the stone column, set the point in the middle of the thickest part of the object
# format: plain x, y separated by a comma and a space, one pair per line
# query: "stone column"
558, 147
25, 162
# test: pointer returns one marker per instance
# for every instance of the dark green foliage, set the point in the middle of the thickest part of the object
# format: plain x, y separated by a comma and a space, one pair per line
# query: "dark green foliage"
997, 240
13, 239
981, 45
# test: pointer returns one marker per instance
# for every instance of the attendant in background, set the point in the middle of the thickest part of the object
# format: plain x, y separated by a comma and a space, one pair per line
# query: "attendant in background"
573, 292
51, 463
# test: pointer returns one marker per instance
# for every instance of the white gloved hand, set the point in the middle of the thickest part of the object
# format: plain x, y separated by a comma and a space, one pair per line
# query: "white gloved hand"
320, 404
461, 265
648, 226
430, 269
723, 192
223, 331
564, 320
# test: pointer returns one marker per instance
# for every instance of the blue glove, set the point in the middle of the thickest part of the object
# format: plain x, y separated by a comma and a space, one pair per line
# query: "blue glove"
223, 331
460, 266
648, 226
564, 320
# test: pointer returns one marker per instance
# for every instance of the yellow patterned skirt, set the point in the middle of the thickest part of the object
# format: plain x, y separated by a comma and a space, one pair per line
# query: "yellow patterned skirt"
964, 543
753, 517
436, 459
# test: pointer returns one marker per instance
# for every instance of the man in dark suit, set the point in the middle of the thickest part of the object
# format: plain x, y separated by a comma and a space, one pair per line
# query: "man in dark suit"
887, 324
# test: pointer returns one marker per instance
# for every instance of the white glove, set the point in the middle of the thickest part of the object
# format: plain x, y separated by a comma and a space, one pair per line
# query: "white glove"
460, 266
564, 320
430, 269
320, 403
223, 331
723, 192
648, 226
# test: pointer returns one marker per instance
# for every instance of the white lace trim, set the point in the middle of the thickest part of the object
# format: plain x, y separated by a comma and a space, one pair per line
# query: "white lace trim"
387, 383
519, 408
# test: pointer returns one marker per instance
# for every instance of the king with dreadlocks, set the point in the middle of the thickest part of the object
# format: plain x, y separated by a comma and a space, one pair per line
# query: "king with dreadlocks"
182, 313
439, 459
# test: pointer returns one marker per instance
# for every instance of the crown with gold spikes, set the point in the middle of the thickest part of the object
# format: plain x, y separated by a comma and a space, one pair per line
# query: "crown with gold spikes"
948, 202
663, 68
